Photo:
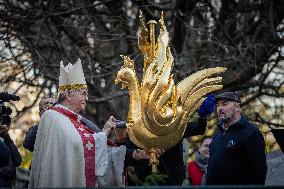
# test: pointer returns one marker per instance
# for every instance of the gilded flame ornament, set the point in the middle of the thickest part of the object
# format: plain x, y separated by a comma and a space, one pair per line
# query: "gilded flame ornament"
159, 110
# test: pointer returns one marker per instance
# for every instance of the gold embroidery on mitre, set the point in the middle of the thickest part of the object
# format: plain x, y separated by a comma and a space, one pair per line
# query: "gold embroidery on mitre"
72, 87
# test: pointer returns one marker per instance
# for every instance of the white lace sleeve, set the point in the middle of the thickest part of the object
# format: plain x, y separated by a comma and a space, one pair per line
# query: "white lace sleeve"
101, 155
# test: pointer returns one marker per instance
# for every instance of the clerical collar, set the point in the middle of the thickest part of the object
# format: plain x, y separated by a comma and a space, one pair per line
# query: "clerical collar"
79, 117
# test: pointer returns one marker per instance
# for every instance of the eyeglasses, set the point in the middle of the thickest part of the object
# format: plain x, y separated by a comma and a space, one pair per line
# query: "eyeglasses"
82, 92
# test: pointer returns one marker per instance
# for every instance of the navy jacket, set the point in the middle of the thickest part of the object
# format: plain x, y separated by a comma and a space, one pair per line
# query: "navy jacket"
29, 140
237, 156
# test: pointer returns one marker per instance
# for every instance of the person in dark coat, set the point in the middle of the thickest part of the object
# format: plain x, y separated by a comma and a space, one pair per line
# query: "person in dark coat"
10, 157
132, 154
237, 151
171, 161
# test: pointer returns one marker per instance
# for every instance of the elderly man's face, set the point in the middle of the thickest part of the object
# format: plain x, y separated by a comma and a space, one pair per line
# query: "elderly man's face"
78, 100
226, 110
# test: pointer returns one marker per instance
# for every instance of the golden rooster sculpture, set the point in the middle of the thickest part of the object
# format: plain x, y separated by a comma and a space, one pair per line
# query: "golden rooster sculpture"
159, 110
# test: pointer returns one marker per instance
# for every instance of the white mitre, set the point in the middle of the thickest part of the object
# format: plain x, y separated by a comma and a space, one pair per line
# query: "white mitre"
71, 77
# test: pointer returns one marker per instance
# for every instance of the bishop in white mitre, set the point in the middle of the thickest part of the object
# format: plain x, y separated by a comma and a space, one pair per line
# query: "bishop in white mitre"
67, 153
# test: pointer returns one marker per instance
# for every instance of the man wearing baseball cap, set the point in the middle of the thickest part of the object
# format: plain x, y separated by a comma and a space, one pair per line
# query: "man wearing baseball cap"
237, 151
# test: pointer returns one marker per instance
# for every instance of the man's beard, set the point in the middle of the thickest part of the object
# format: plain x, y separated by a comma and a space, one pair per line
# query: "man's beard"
222, 119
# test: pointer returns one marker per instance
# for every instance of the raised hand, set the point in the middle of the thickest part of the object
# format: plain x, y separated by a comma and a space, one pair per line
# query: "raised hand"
109, 125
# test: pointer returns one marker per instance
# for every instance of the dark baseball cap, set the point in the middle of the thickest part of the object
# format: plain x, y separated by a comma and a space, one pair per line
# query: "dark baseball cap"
120, 124
230, 96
